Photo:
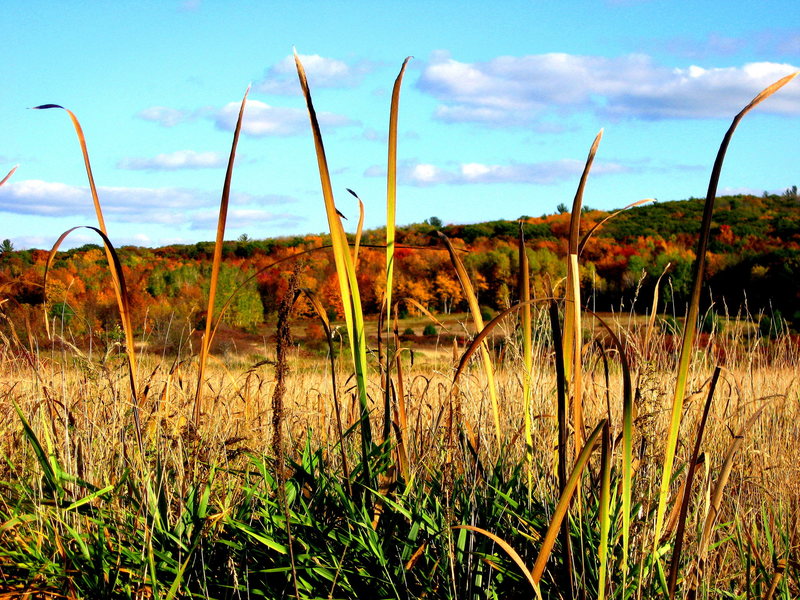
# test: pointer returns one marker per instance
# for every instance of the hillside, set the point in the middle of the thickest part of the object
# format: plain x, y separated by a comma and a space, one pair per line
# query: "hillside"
754, 263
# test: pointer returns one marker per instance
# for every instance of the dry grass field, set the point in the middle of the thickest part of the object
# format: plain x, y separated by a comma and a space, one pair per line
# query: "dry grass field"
549, 453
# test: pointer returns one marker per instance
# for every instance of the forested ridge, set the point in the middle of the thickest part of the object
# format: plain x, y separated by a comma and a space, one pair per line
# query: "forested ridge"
753, 264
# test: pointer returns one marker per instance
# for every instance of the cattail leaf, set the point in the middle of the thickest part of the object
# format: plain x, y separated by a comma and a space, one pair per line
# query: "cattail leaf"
205, 345
690, 327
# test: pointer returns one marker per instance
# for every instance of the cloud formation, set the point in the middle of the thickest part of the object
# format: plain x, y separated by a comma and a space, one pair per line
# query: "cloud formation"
322, 72
261, 119
540, 173
173, 161
510, 90
157, 206
165, 116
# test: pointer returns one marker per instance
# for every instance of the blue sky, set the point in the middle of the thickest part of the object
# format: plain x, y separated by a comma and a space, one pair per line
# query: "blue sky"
499, 107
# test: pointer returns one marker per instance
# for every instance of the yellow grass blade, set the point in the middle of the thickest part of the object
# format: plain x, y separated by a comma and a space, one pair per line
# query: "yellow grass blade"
572, 310
359, 228
425, 312
348, 284
563, 504
524, 294
690, 327
651, 321
391, 189
118, 292
722, 480
472, 300
114, 267
205, 345
506, 548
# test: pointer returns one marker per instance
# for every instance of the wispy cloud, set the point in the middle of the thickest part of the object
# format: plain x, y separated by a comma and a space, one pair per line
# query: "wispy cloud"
159, 206
510, 90
322, 72
173, 161
247, 218
540, 173
165, 116
261, 119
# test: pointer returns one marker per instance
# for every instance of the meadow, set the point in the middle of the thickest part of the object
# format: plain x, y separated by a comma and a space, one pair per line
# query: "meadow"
545, 451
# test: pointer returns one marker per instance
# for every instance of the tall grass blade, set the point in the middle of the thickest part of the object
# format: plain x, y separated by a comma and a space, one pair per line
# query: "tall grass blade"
722, 480
391, 189
475, 310
605, 513
572, 310
391, 217
205, 344
560, 511
348, 285
524, 295
690, 328
687, 493
119, 293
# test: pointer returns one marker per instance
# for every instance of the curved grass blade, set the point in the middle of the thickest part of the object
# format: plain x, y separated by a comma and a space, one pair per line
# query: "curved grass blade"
722, 480
598, 225
205, 344
359, 228
115, 267
506, 548
82, 141
475, 310
120, 294
690, 328
563, 503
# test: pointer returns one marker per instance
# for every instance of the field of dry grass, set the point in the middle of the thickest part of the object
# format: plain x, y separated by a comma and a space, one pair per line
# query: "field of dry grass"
548, 452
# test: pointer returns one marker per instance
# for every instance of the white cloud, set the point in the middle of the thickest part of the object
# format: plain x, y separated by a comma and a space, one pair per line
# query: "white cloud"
511, 90
167, 117
246, 218
541, 173
322, 72
157, 206
182, 159
261, 119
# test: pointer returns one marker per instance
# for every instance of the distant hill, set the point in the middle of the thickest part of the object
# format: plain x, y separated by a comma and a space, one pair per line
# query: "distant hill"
753, 264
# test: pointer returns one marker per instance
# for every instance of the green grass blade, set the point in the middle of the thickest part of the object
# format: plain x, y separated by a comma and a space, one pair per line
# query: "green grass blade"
348, 284
687, 493
690, 327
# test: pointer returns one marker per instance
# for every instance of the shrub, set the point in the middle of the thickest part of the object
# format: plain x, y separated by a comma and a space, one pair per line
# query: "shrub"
430, 329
